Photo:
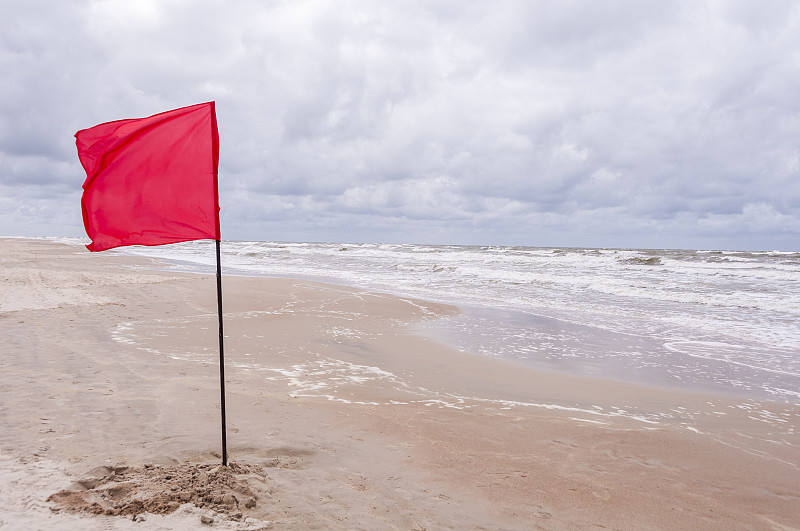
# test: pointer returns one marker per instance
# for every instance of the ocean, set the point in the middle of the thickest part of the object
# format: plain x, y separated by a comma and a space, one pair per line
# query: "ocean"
724, 322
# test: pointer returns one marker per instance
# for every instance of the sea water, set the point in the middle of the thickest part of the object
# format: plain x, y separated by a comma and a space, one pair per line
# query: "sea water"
718, 321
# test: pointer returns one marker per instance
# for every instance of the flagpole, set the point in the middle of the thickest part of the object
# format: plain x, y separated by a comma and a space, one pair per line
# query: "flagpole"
221, 358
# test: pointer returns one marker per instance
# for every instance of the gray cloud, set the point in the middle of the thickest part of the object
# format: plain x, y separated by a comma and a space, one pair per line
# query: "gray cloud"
615, 123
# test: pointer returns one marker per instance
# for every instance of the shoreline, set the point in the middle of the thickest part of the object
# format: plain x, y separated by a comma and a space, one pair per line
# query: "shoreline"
364, 423
450, 332
615, 348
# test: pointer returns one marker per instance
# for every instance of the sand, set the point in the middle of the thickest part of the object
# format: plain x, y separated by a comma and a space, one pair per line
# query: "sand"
339, 417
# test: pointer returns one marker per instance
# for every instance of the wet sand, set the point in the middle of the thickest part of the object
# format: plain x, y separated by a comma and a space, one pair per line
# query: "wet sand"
340, 417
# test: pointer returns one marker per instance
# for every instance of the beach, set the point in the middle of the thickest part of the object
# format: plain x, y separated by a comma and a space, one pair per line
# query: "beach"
342, 416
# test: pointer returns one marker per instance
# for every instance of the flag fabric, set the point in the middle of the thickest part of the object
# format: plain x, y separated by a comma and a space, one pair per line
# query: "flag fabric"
151, 181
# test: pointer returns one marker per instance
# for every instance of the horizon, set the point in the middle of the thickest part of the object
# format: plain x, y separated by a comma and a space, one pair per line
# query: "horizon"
85, 240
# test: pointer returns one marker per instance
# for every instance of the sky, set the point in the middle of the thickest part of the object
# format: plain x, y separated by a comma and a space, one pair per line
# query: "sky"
595, 123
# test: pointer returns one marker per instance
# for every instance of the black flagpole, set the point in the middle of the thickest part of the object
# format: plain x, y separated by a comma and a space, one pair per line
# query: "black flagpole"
221, 358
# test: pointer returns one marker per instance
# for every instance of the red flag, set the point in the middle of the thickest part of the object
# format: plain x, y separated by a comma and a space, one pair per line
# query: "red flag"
151, 181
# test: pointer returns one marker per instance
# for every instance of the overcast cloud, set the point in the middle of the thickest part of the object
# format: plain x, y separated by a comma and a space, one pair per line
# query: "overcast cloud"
570, 123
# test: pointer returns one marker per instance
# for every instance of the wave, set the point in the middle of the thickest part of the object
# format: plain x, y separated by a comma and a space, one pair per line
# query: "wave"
653, 260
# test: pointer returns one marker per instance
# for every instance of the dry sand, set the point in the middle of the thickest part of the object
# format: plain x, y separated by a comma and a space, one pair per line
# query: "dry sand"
339, 417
